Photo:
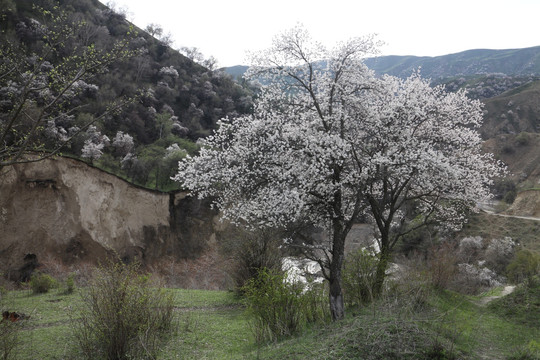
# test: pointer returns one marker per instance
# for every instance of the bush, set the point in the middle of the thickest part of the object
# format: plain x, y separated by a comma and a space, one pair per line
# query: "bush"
409, 291
41, 283
358, 277
10, 339
499, 253
522, 139
70, 283
525, 265
442, 265
473, 279
10, 332
251, 252
122, 317
279, 308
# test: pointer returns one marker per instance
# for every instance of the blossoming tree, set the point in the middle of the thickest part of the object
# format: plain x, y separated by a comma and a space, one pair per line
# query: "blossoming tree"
328, 142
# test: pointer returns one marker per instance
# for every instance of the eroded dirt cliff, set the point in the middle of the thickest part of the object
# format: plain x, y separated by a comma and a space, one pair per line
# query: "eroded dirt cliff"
68, 210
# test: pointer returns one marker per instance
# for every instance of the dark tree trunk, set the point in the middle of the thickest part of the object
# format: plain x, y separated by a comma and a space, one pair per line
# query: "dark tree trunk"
337, 308
382, 265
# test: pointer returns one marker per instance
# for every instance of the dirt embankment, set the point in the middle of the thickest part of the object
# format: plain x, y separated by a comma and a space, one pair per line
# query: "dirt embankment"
65, 209
526, 204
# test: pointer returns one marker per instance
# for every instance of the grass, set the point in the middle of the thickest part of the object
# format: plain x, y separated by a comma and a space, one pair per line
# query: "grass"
521, 307
214, 325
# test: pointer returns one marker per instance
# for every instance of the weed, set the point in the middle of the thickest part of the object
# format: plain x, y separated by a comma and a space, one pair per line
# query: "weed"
280, 308
122, 317
9, 339
42, 283
70, 283
359, 277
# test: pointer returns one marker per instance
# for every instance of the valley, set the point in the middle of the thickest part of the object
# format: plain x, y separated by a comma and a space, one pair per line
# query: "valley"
104, 128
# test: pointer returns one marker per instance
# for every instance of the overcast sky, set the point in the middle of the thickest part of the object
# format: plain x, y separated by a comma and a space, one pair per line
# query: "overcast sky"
226, 29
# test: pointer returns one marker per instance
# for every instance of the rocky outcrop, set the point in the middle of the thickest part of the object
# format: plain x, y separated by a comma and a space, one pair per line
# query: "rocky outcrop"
68, 210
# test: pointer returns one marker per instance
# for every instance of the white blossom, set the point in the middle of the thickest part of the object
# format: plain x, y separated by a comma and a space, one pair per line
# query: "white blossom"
123, 143
92, 150
328, 141
169, 71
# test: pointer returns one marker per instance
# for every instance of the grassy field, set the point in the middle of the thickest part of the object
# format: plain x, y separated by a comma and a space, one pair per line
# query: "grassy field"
214, 325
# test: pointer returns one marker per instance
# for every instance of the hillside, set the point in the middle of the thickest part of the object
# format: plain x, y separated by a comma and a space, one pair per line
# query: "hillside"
472, 62
173, 100
514, 111
483, 73
512, 133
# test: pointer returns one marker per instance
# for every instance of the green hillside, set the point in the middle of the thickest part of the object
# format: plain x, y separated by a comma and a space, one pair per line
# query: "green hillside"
174, 100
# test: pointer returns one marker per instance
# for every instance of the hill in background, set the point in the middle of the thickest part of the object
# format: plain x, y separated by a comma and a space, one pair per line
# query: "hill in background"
471, 62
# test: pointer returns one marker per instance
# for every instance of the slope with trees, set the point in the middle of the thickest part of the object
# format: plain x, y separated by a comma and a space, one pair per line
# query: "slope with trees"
328, 146
174, 100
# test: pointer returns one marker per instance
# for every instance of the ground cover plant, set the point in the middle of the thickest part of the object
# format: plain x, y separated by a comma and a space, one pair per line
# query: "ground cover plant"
121, 316
215, 325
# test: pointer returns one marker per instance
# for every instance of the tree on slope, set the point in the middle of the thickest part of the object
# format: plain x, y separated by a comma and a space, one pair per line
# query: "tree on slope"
45, 76
328, 142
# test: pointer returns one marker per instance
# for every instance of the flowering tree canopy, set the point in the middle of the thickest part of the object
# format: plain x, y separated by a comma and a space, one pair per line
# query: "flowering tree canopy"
328, 142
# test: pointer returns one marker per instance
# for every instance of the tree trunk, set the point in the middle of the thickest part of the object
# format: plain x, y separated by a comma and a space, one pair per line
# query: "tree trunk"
380, 274
337, 308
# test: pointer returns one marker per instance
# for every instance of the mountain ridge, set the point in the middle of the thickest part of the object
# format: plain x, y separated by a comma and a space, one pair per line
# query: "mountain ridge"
519, 61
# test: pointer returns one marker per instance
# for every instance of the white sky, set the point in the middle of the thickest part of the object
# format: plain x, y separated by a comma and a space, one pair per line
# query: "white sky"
226, 29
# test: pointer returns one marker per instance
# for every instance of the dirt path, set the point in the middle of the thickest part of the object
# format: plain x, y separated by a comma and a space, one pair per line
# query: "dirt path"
488, 209
507, 290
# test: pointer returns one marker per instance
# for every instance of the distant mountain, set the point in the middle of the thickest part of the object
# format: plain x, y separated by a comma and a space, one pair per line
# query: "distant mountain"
515, 62
471, 62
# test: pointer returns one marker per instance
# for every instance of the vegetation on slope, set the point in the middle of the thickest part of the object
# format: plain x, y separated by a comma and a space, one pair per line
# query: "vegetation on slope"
214, 325
176, 100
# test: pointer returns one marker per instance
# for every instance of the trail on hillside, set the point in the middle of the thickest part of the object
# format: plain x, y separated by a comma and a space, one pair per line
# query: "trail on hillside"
488, 209
507, 290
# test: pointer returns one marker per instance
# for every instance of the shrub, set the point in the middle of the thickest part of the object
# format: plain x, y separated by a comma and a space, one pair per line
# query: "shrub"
442, 265
409, 291
70, 283
522, 139
359, 277
251, 252
525, 265
499, 253
510, 196
10, 339
470, 248
505, 189
472, 279
41, 283
280, 308
122, 317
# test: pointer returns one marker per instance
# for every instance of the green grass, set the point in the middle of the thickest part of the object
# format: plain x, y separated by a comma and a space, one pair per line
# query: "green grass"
521, 307
214, 325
